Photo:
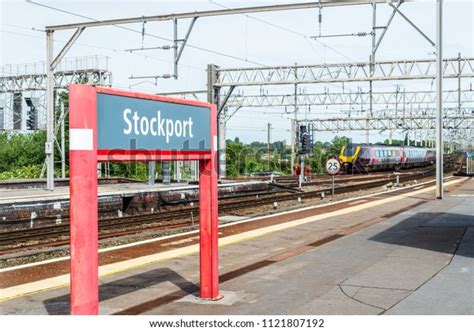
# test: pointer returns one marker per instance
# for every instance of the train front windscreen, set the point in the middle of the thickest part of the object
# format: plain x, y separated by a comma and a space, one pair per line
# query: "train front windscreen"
349, 150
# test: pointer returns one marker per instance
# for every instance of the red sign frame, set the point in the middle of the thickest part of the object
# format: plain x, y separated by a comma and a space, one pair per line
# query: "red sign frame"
83, 160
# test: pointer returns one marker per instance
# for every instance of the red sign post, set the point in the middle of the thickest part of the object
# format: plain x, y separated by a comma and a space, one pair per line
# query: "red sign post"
157, 126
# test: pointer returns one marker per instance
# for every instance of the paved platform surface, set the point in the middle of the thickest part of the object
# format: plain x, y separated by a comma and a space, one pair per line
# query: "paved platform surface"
418, 261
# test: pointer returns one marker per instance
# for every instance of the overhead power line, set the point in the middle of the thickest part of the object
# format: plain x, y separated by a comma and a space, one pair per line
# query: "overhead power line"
306, 37
99, 47
150, 35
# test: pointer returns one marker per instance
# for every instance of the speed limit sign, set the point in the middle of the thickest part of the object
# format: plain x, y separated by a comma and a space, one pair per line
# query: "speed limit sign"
333, 166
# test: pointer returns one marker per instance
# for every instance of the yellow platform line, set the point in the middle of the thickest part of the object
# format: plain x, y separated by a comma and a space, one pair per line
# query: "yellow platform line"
118, 267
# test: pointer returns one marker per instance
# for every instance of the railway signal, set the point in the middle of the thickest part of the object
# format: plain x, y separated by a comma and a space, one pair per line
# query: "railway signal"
305, 143
32, 119
304, 137
305, 140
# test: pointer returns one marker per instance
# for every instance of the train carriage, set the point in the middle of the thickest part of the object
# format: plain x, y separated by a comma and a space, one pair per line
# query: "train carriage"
366, 157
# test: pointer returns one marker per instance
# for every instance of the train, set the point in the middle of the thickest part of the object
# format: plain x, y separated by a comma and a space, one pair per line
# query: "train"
368, 157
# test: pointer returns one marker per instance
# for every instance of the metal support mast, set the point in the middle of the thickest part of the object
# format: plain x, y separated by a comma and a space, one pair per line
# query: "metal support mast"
213, 93
459, 82
294, 125
269, 145
49, 146
439, 100
372, 65
221, 142
63, 143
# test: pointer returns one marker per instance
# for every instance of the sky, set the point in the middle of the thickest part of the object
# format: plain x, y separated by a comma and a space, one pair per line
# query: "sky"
275, 38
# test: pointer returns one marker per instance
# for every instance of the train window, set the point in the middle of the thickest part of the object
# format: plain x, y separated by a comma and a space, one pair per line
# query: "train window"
349, 150
364, 153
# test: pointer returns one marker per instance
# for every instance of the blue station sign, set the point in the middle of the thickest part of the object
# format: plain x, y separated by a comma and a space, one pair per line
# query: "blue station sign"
129, 123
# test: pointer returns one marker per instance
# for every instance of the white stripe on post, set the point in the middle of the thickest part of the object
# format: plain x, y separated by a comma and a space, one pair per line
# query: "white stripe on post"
81, 140
214, 147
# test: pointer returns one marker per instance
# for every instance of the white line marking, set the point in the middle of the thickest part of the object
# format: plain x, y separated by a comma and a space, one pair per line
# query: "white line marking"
356, 202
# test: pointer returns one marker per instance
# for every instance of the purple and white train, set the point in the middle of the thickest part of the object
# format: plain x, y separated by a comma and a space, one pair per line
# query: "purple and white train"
384, 157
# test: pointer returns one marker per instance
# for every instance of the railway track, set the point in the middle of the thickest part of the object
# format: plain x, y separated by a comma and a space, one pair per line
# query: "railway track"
57, 235
288, 183
25, 222
321, 180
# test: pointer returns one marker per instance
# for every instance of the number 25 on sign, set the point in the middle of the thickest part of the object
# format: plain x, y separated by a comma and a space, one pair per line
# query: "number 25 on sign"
332, 167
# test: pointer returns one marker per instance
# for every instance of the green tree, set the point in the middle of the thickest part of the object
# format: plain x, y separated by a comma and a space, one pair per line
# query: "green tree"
21, 154
235, 158
318, 158
395, 142
336, 145
323, 150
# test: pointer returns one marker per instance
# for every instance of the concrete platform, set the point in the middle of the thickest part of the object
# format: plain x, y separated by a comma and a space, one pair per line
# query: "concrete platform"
43, 207
406, 254
62, 192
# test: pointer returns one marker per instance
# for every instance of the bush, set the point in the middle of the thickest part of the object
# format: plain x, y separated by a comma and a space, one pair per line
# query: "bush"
22, 153
31, 171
